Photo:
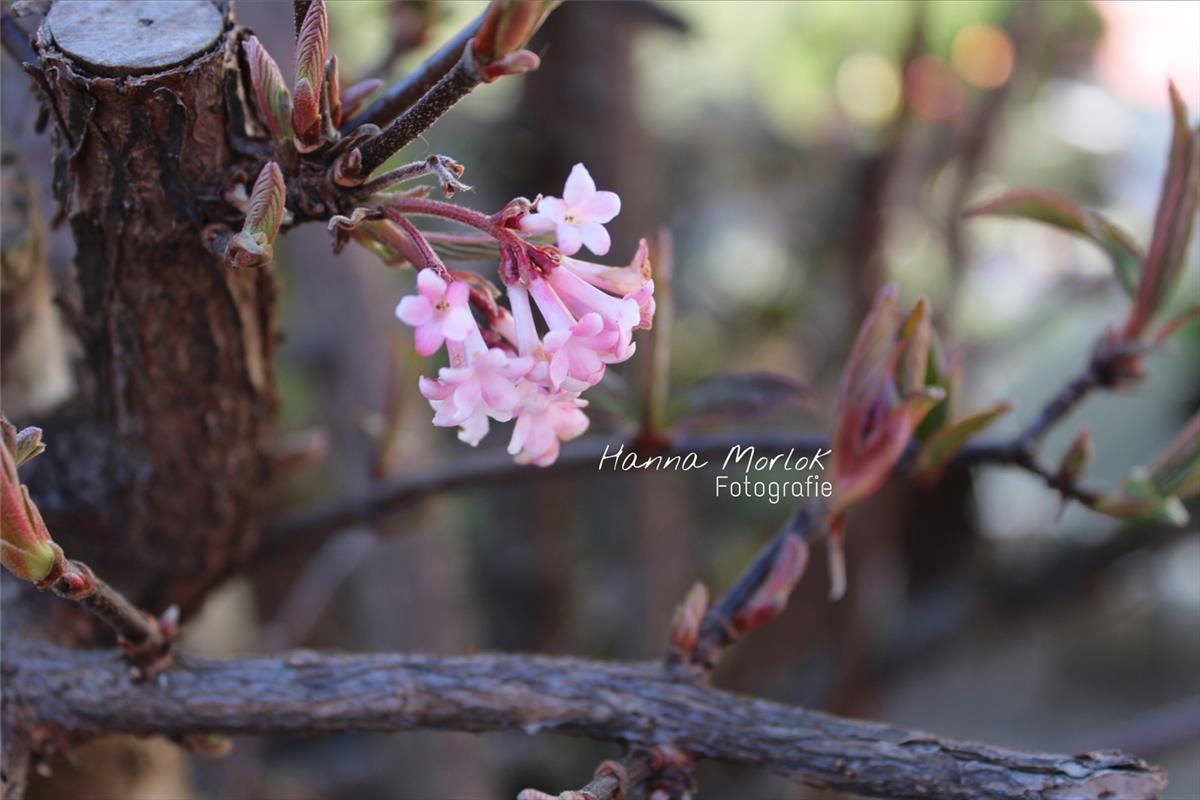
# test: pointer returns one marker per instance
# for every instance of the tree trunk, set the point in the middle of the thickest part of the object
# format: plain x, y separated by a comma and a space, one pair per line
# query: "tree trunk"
155, 476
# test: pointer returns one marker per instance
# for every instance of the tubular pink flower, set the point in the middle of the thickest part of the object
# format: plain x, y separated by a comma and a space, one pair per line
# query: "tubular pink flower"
546, 419
578, 217
575, 352
438, 312
620, 315
631, 283
467, 396
524, 331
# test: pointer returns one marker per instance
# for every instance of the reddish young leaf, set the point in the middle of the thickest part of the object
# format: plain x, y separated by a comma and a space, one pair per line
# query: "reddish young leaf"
311, 46
1051, 208
271, 97
1172, 224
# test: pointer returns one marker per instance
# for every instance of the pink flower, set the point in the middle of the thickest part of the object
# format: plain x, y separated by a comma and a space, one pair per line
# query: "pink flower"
632, 282
578, 217
620, 315
575, 352
546, 420
467, 396
438, 312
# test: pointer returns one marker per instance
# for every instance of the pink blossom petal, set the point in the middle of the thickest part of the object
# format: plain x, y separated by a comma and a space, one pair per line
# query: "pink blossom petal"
414, 310
588, 362
595, 237
570, 239
552, 209
580, 186
538, 223
589, 324
573, 423
430, 285
600, 207
432, 389
517, 367
458, 324
473, 429
500, 395
560, 365
458, 293
428, 338
467, 396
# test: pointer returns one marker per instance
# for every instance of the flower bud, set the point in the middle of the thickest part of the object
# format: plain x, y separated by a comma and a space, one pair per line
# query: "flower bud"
271, 95
685, 626
1077, 458
311, 46
877, 417
770, 599
29, 445
508, 26
252, 247
26, 549
333, 91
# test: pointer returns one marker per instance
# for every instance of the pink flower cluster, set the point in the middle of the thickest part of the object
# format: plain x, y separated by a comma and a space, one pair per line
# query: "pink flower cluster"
520, 370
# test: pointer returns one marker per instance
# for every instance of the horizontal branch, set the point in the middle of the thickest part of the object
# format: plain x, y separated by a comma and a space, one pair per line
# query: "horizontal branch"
497, 467
76, 695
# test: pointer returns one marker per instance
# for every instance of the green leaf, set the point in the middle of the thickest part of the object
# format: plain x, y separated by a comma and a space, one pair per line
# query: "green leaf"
945, 443
1059, 211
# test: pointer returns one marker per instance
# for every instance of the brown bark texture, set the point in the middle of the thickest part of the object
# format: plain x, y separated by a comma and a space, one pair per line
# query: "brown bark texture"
63, 696
155, 475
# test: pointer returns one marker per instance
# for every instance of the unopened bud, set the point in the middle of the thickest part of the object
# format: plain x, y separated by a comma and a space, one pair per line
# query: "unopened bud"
252, 247
271, 95
26, 548
311, 46
514, 63
29, 445
1077, 458
772, 595
508, 26
333, 94
685, 626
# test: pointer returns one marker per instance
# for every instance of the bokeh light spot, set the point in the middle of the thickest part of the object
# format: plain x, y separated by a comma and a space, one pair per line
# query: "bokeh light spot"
934, 91
868, 88
982, 55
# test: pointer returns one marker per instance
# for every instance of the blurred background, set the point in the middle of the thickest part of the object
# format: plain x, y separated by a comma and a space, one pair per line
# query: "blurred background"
801, 154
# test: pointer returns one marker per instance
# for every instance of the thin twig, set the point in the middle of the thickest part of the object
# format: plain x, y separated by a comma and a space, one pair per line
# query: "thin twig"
146, 640
456, 84
611, 781
400, 97
1059, 406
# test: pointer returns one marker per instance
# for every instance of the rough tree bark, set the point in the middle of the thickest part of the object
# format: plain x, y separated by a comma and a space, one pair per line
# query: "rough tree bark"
67, 695
155, 475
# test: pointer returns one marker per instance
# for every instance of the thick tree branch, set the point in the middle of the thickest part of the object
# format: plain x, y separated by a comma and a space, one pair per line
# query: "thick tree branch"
68, 696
